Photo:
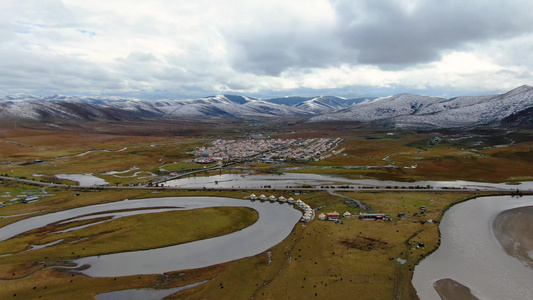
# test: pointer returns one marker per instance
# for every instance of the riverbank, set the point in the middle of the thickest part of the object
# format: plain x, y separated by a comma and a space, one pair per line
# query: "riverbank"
512, 228
469, 248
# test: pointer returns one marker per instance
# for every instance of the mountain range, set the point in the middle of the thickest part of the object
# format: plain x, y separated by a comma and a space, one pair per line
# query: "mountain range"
511, 109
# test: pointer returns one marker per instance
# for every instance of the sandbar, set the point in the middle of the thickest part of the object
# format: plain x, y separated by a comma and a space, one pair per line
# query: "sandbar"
513, 230
450, 289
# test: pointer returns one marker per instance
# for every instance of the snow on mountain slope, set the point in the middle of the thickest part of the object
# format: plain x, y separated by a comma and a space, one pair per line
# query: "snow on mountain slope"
221, 106
414, 110
323, 104
382, 108
397, 110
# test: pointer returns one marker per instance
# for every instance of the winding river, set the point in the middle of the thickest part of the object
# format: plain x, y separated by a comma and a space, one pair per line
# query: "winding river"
275, 223
471, 255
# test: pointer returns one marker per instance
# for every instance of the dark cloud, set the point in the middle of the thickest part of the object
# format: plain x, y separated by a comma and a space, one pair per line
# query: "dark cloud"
388, 34
410, 32
270, 53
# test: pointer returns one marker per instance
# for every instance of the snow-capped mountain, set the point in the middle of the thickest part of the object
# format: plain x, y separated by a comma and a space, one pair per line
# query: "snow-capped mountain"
326, 104
511, 109
73, 107
416, 110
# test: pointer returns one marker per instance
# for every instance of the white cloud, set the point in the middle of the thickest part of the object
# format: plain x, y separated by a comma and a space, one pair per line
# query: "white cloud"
195, 48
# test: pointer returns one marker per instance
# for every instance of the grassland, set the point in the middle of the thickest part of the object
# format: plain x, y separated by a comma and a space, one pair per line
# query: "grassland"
325, 260
133, 233
369, 153
321, 260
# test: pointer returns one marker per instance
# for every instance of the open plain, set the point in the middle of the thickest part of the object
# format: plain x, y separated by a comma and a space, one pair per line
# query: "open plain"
351, 258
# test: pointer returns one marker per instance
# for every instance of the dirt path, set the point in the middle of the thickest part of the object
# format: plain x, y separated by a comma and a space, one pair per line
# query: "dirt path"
358, 202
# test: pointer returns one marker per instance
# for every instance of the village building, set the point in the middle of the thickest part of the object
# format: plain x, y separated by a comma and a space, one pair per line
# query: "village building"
332, 216
322, 216
376, 216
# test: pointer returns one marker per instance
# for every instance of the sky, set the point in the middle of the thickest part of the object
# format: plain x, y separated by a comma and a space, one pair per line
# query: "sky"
183, 49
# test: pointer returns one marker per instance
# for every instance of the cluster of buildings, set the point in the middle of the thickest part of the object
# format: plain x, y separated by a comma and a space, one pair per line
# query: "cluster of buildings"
268, 150
309, 213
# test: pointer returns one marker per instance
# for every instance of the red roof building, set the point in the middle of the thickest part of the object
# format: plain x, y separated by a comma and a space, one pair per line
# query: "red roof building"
333, 216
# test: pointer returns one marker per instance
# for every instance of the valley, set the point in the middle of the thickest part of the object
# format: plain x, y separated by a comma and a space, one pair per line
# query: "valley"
321, 259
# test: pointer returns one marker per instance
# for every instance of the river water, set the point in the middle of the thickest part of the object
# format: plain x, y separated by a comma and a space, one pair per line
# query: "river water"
470, 254
275, 223
85, 180
288, 180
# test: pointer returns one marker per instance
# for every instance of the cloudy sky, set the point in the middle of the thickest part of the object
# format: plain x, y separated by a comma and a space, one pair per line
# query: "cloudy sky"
185, 49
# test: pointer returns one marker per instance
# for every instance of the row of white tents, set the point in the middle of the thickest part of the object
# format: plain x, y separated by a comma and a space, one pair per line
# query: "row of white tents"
309, 213
272, 198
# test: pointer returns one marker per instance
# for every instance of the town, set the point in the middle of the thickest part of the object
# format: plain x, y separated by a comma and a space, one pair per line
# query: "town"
268, 150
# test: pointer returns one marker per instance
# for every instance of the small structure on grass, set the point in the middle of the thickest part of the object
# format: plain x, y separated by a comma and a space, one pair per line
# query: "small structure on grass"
346, 214
262, 197
253, 197
322, 216
333, 216
29, 199
378, 216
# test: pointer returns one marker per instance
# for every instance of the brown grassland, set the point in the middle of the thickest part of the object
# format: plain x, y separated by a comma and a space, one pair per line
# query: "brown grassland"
319, 260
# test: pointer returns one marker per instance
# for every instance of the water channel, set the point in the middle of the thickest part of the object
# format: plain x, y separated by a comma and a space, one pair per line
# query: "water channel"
287, 180
275, 223
470, 254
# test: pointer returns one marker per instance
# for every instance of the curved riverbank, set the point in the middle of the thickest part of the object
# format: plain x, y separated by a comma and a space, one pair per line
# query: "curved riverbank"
468, 248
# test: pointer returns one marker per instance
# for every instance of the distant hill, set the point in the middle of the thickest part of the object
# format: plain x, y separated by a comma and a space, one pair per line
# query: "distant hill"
513, 109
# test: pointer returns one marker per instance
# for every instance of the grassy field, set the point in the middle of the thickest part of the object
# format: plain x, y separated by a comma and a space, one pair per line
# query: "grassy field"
320, 259
404, 156
133, 233
325, 260
22, 270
